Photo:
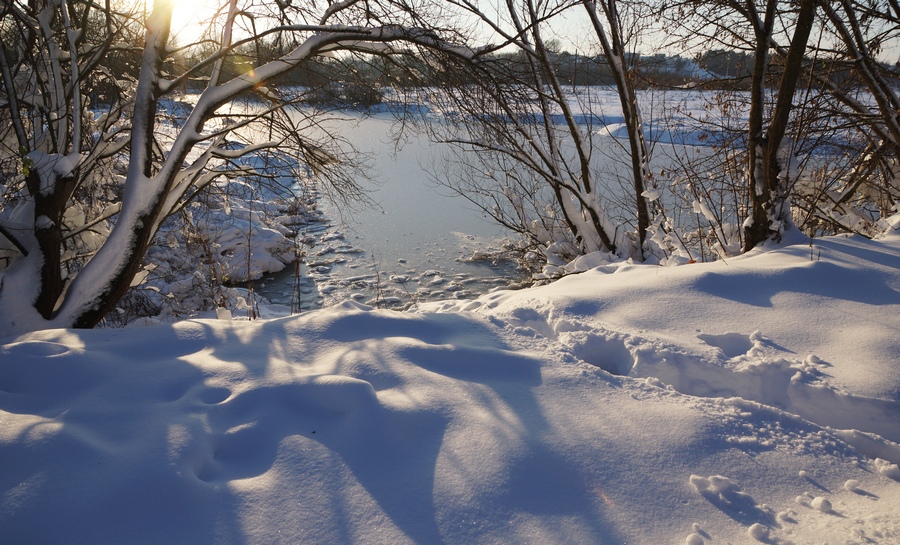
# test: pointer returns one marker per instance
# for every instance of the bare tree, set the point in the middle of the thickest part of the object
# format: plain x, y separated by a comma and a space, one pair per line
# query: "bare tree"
768, 184
759, 28
866, 190
534, 156
612, 41
816, 86
63, 147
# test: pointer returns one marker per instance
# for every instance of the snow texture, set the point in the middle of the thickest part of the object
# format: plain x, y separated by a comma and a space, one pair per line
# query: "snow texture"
751, 401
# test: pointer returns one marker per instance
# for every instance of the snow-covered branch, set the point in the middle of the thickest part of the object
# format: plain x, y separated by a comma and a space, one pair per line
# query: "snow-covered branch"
69, 153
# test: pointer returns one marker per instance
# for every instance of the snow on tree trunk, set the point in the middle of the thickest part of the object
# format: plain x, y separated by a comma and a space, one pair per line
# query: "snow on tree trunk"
42, 77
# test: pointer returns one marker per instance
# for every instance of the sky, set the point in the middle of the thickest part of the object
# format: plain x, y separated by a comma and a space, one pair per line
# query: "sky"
571, 29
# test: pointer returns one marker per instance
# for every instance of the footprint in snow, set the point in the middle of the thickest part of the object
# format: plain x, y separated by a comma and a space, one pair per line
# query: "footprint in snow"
732, 345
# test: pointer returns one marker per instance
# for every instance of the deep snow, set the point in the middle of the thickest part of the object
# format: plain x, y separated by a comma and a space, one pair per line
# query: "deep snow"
754, 399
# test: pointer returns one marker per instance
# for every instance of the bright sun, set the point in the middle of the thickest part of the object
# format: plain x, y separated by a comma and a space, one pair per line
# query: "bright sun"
191, 19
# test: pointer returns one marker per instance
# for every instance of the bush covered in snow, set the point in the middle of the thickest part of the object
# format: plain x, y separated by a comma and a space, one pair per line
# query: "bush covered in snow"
232, 234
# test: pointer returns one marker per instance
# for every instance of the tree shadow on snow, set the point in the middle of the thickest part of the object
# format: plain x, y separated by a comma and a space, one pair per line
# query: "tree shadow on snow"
102, 462
394, 455
179, 442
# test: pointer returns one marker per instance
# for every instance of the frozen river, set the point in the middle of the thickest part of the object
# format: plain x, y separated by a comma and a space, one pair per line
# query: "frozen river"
415, 244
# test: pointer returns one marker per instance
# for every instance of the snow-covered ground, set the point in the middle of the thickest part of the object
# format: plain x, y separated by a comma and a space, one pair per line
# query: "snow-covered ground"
754, 399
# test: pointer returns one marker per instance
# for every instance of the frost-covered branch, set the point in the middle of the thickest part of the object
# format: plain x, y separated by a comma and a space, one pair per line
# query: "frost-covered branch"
79, 191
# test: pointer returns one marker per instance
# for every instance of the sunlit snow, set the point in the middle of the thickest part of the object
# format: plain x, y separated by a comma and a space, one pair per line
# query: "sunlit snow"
755, 399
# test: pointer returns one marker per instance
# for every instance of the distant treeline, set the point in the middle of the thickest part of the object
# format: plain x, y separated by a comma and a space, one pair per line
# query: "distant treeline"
359, 80
714, 69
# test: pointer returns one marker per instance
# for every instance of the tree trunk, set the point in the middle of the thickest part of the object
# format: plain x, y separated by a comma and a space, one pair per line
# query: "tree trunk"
768, 189
614, 51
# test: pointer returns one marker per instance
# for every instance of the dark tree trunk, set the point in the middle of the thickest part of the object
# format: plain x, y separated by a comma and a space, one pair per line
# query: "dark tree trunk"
767, 188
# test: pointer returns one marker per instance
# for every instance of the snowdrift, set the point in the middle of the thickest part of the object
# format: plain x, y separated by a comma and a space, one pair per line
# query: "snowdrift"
750, 400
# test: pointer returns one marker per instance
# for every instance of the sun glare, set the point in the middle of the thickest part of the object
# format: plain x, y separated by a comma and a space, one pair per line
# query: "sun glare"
191, 19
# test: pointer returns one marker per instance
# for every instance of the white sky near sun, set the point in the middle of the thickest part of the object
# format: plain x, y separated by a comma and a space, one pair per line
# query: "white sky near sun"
571, 31
188, 18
